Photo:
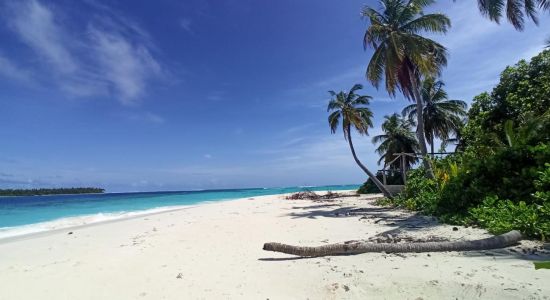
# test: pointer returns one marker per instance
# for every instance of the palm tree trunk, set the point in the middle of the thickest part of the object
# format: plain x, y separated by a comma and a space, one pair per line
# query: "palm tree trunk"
372, 177
420, 129
354, 247
432, 146
403, 168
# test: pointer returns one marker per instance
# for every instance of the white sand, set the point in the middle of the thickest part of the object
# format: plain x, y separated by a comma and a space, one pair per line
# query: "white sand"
214, 251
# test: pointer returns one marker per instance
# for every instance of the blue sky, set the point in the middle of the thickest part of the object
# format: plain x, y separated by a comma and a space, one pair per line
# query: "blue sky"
171, 95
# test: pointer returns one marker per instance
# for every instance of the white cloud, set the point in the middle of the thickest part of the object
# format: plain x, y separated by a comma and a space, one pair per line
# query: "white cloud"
127, 67
112, 58
147, 117
36, 26
185, 23
11, 70
207, 156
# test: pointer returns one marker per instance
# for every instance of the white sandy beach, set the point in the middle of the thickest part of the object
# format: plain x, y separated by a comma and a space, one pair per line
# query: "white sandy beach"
214, 251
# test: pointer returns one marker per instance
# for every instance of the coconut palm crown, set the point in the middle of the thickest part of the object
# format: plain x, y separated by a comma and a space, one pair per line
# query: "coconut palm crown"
401, 55
398, 137
442, 117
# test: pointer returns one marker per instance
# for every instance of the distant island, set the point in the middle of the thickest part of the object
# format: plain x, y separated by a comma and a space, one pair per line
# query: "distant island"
58, 191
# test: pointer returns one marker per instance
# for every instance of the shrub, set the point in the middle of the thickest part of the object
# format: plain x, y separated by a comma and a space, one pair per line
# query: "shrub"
420, 193
508, 174
500, 216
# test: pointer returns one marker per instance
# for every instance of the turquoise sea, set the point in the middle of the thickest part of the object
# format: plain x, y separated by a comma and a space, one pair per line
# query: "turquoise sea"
24, 215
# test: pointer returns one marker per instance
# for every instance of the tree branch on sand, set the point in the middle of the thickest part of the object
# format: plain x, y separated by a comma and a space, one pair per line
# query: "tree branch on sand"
356, 247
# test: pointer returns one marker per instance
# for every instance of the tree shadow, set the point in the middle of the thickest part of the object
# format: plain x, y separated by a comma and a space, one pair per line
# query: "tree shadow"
316, 212
511, 252
397, 221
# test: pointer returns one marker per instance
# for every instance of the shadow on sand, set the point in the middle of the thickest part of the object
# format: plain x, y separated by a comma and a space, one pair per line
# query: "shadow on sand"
397, 222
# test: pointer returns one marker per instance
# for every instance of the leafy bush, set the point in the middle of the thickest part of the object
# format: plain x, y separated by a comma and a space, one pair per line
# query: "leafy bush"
500, 216
420, 193
436, 196
508, 174
522, 93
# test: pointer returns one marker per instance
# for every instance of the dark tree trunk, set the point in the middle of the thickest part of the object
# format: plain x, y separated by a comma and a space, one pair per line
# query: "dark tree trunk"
404, 168
372, 177
354, 247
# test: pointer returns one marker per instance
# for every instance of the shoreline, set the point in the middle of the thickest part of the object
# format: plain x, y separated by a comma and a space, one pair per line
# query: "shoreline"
123, 216
43, 233
215, 251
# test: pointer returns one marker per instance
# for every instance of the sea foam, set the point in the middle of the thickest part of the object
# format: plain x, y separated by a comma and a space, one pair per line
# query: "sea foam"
69, 222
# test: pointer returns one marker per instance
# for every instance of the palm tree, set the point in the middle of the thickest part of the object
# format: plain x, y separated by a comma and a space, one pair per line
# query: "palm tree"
397, 138
442, 117
352, 109
516, 10
401, 55
456, 139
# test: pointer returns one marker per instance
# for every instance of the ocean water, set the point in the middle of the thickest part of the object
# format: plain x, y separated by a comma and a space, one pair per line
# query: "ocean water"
24, 215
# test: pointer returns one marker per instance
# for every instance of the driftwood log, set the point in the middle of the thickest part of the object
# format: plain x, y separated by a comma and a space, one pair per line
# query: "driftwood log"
355, 247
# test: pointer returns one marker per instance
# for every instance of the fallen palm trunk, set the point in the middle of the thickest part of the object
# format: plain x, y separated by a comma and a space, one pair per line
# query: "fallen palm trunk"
354, 247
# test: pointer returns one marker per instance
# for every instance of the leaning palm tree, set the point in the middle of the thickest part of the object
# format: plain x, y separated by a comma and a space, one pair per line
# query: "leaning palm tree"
397, 138
442, 117
516, 10
402, 56
352, 110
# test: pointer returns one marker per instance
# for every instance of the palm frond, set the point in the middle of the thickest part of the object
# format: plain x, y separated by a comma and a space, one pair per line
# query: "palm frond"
362, 100
434, 23
351, 94
379, 138
530, 8
334, 121
514, 13
491, 9
375, 69
409, 111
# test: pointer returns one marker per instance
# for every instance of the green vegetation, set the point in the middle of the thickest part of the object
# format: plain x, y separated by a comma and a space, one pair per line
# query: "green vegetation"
351, 109
402, 56
542, 265
397, 138
442, 117
58, 191
501, 181
393, 178
499, 175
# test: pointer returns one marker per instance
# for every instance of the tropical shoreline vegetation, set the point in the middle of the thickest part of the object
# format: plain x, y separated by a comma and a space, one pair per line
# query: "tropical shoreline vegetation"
55, 191
498, 176
501, 180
